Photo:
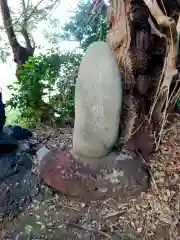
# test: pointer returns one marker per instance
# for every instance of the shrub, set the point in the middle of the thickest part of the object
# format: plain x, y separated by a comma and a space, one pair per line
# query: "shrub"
44, 91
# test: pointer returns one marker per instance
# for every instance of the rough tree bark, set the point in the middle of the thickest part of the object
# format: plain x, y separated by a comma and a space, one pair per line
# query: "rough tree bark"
144, 36
21, 54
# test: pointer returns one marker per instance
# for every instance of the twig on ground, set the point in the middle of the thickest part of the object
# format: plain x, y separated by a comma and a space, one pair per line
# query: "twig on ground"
97, 231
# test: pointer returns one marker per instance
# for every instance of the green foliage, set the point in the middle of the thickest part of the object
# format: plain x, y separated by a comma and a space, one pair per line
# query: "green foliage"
45, 90
178, 104
11, 116
85, 26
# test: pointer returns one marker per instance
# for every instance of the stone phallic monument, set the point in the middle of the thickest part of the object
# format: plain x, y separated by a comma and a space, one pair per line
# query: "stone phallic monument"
90, 169
98, 98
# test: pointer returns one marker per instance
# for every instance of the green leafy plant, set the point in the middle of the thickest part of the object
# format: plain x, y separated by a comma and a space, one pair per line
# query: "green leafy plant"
45, 90
85, 25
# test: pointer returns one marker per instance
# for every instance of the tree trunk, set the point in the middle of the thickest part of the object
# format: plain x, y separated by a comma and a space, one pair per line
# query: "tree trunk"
20, 53
145, 42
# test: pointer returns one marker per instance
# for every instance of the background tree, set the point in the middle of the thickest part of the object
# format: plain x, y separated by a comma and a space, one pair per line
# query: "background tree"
86, 25
21, 54
30, 16
22, 24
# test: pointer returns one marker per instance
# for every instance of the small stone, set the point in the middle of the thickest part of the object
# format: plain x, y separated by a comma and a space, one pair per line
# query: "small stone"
139, 229
41, 153
83, 205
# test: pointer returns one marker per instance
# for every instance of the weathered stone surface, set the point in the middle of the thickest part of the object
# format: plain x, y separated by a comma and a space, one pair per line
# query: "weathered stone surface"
133, 177
98, 97
61, 172
41, 153
122, 175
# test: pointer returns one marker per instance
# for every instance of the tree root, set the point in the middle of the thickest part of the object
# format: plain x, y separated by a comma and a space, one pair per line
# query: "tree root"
161, 101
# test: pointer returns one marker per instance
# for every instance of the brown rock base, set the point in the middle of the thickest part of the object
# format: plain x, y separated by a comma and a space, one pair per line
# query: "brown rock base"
121, 175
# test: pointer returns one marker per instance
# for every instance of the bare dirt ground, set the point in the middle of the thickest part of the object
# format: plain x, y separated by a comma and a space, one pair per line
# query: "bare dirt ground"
155, 215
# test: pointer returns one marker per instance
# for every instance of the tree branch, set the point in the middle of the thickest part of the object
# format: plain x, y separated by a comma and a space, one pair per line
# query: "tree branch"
24, 29
8, 25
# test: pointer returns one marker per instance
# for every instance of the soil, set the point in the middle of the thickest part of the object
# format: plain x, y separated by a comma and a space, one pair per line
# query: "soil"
154, 215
